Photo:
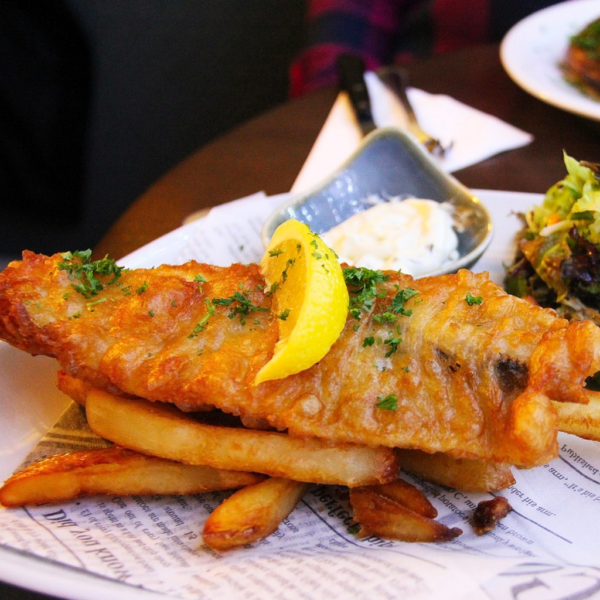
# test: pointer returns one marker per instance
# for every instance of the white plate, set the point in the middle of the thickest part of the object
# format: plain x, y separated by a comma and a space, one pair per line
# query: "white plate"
533, 49
30, 403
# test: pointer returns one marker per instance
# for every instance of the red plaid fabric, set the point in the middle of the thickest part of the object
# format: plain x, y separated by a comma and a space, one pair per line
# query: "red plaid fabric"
387, 31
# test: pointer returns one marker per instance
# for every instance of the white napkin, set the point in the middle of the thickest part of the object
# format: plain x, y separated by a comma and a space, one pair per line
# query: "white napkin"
474, 135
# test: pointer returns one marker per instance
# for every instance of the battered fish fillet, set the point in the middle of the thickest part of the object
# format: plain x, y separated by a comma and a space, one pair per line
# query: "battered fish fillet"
463, 368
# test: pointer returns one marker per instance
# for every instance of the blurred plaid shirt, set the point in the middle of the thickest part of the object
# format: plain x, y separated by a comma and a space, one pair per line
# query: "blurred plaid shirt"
397, 31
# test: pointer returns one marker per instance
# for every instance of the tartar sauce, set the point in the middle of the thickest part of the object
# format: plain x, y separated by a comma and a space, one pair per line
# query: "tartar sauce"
414, 235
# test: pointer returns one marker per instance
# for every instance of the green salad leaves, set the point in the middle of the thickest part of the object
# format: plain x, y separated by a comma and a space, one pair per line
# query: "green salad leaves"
558, 258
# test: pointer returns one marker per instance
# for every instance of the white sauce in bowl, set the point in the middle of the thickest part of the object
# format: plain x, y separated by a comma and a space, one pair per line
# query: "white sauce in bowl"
415, 236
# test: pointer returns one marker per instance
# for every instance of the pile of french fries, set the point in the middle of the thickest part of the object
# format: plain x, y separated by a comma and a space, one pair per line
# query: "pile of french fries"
160, 450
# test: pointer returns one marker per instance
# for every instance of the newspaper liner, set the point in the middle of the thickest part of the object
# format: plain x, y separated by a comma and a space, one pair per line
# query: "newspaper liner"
544, 549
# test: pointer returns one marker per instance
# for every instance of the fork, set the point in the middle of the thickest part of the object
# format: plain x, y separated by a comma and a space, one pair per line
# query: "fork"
396, 80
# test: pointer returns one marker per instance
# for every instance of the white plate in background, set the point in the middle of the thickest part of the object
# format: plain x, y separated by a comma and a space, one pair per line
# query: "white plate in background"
531, 53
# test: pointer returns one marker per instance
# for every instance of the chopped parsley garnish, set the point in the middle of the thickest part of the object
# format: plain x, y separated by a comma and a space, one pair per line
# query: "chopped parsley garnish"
368, 341
354, 528
290, 263
397, 307
283, 315
362, 286
317, 255
393, 343
273, 253
400, 298
94, 302
142, 288
470, 300
389, 402
200, 280
201, 325
89, 273
151, 313
386, 317
240, 305
274, 287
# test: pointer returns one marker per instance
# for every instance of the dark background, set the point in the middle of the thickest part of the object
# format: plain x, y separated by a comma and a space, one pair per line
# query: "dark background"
99, 98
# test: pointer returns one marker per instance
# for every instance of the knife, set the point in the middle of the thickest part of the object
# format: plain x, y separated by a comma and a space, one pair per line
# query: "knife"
351, 69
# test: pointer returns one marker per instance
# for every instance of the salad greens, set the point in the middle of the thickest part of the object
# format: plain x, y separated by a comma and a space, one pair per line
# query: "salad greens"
558, 257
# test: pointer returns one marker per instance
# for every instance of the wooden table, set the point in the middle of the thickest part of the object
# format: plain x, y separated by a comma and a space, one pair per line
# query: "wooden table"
267, 153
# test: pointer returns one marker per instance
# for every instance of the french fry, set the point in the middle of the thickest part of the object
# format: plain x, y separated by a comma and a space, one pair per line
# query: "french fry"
582, 420
488, 513
469, 475
113, 471
381, 516
408, 495
252, 513
162, 430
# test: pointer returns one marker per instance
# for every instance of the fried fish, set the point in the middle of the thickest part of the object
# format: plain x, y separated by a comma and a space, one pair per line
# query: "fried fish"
441, 364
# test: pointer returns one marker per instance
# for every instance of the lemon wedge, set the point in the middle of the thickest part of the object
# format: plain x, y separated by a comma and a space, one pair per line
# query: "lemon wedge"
310, 299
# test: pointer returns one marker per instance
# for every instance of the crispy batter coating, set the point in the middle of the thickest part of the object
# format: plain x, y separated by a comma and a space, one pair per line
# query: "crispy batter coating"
488, 513
471, 379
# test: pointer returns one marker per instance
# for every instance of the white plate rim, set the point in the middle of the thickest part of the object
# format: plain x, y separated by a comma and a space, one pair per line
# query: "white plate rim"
40, 575
532, 48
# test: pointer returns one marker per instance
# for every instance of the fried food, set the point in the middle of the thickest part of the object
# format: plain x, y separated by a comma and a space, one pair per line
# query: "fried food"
468, 475
113, 471
407, 495
488, 513
252, 513
582, 421
76, 389
389, 515
161, 430
441, 364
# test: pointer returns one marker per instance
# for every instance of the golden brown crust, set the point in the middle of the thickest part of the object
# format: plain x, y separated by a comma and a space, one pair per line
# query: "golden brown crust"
76, 389
392, 518
472, 380
468, 475
114, 471
488, 513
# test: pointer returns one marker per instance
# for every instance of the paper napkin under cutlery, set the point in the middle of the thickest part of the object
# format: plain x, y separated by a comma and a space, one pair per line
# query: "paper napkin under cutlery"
474, 135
